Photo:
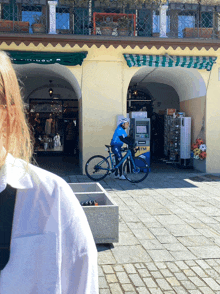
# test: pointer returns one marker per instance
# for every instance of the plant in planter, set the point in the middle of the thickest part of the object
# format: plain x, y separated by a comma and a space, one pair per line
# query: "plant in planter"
124, 26
107, 26
39, 25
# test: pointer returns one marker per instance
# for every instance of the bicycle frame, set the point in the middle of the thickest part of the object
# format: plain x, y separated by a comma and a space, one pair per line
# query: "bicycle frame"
113, 168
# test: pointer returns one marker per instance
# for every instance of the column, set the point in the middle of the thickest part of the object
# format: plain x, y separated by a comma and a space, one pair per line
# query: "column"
52, 17
163, 21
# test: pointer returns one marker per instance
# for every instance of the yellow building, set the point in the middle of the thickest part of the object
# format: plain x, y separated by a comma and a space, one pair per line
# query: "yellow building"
86, 76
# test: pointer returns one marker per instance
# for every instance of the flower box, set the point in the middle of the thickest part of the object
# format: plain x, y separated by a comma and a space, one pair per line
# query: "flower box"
104, 218
198, 33
14, 26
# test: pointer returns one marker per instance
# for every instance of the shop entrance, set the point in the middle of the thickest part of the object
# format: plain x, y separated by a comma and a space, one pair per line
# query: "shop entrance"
159, 89
55, 126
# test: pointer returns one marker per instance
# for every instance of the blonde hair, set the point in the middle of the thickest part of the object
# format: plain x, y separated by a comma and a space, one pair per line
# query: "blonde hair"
16, 134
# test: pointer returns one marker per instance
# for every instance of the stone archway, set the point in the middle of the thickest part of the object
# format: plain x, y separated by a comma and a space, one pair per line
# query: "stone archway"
180, 88
35, 80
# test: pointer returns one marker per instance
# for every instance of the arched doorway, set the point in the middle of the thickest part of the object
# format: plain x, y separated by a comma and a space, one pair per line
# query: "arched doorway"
52, 96
177, 88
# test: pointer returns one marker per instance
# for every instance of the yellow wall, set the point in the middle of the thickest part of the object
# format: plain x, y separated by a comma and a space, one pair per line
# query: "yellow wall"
104, 78
196, 109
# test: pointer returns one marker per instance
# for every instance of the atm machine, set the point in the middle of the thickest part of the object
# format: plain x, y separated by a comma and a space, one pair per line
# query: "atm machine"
140, 131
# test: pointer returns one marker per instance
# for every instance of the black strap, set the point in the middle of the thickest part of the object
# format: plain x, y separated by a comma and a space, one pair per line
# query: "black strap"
7, 204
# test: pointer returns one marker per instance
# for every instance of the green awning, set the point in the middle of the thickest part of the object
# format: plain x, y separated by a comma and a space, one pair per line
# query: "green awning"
199, 62
25, 57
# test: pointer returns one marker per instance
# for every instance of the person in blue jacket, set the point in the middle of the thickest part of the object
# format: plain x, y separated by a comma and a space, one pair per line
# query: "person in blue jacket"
119, 138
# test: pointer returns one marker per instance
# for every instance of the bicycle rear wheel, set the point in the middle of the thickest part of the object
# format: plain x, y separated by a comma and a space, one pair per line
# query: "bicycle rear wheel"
137, 173
97, 168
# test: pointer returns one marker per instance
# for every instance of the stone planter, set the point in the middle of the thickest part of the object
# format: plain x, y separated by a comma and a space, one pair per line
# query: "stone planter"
199, 165
104, 218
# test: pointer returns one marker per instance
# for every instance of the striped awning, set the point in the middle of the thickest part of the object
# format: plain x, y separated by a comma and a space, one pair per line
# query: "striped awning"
25, 57
199, 62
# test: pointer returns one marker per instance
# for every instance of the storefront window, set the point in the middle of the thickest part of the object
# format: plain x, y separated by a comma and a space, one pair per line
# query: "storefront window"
48, 120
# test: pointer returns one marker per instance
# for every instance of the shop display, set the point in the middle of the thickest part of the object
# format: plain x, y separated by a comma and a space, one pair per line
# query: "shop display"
177, 137
48, 123
199, 149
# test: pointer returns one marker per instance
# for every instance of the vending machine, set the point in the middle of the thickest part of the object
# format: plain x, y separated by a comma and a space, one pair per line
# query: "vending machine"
140, 131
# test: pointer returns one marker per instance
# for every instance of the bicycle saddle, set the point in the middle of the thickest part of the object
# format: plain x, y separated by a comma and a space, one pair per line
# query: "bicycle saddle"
108, 146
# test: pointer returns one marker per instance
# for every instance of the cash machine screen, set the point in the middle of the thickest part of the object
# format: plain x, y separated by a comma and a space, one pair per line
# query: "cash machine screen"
141, 129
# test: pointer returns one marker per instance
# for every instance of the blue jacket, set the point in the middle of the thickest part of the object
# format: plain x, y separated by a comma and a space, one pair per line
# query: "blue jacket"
118, 132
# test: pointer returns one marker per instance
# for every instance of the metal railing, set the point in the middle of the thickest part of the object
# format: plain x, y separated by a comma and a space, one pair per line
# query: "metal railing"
184, 19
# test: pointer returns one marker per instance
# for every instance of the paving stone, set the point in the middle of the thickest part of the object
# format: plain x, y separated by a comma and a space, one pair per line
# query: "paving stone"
123, 277
127, 238
150, 283
155, 291
163, 284
142, 290
139, 265
200, 272
183, 255
212, 273
130, 254
151, 266
136, 280
182, 265
108, 269
195, 292
206, 251
188, 285
102, 283
212, 284
128, 287
156, 275
173, 281
118, 268
159, 231
198, 282
111, 278
172, 267
180, 276
206, 290
115, 288
167, 239
144, 273
180, 290
143, 234
166, 273
100, 271
104, 291
151, 244
160, 255
203, 264
106, 257
182, 230
161, 265
130, 269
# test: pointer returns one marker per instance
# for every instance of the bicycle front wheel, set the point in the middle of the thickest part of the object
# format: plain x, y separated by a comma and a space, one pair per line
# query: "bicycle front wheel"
137, 173
97, 168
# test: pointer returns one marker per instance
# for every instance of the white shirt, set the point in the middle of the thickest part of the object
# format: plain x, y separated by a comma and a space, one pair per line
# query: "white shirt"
52, 247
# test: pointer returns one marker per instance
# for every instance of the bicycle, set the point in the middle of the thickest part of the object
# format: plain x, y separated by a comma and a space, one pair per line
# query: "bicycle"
135, 169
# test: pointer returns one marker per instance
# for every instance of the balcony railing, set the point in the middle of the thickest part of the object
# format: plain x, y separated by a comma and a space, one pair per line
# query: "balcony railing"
146, 18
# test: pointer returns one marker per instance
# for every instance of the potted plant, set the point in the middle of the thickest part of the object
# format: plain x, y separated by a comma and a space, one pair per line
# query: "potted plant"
124, 26
107, 26
39, 25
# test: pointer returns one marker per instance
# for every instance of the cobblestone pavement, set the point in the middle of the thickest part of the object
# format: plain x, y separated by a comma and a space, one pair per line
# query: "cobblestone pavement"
169, 235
